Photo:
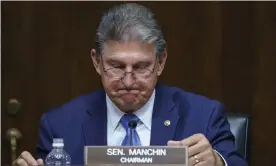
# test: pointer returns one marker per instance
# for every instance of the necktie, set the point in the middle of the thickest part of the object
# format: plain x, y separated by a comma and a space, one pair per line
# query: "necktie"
125, 120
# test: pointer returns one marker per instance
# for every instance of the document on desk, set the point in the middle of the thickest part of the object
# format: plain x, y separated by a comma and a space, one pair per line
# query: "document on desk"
131, 155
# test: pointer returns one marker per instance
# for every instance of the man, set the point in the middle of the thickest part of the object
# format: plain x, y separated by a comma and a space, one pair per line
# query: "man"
130, 55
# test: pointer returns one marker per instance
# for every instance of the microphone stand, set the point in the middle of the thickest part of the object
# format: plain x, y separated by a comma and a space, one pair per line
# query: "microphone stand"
132, 125
130, 142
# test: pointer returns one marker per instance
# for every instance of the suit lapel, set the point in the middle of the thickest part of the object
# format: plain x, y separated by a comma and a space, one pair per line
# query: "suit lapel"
164, 118
95, 125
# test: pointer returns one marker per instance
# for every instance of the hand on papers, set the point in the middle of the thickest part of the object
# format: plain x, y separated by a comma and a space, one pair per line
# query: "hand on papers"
26, 159
200, 152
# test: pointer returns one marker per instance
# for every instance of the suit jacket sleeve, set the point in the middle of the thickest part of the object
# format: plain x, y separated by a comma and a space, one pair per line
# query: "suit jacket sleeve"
45, 139
221, 137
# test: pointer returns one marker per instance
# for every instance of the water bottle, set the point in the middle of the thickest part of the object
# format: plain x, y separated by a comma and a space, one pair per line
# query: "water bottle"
58, 156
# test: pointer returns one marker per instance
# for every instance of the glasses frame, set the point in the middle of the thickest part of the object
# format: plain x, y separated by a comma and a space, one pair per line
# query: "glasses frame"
125, 72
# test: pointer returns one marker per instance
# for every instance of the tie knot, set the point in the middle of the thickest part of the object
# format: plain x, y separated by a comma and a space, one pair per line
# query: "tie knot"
129, 121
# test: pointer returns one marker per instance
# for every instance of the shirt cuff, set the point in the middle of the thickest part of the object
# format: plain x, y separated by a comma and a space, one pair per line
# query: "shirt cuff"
225, 163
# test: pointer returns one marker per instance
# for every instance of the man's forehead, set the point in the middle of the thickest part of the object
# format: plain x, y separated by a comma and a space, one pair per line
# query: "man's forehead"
114, 47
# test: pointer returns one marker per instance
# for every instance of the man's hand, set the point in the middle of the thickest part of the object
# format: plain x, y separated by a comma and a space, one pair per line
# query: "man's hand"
200, 152
26, 159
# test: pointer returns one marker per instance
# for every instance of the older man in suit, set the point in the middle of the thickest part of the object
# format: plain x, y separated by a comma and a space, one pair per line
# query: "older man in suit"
130, 55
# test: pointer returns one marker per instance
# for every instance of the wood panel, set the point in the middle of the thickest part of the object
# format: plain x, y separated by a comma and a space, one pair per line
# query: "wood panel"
223, 50
264, 91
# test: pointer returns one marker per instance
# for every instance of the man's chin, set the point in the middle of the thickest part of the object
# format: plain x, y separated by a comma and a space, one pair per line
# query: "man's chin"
127, 106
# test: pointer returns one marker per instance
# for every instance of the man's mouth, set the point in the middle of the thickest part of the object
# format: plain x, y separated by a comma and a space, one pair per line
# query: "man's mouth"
124, 92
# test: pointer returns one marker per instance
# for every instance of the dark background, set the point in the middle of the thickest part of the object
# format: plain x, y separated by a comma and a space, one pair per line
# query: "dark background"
223, 50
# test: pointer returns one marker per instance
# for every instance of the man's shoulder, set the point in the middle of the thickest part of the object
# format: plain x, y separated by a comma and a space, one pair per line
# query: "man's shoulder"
193, 105
78, 105
191, 98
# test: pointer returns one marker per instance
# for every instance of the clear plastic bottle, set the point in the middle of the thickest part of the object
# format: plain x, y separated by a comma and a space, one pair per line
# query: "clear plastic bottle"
58, 156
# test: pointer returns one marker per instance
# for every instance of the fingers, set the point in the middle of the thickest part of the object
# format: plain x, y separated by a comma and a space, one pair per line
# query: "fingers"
174, 143
26, 159
204, 158
192, 160
199, 147
203, 163
201, 157
194, 139
40, 162
21, 162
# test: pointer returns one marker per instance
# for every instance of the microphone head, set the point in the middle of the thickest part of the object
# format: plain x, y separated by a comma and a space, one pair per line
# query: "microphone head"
132, 124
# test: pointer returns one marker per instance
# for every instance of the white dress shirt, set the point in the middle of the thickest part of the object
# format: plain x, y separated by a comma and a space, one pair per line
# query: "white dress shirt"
116, 132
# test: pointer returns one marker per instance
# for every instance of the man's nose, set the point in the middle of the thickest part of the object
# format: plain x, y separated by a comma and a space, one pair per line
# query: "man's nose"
128, 80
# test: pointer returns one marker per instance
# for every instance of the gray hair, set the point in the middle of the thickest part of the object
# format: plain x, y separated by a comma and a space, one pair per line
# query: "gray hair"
130, 22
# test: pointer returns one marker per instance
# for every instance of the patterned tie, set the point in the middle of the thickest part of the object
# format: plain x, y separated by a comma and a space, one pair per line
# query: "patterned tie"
125, 120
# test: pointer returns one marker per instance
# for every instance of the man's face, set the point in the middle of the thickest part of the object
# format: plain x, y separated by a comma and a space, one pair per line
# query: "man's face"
129, 73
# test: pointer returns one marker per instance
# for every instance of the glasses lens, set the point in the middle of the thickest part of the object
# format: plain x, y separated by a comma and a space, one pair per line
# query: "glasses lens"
115, 73
119, 73
143, 73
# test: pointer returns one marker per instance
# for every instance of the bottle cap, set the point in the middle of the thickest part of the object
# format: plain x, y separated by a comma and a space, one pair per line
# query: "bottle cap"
58, 142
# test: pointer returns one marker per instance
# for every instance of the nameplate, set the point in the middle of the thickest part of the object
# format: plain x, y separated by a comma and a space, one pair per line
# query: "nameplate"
140, 155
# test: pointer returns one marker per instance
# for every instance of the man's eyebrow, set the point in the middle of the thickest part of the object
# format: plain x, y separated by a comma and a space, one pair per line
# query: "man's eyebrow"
113, 61
141, 62
145, 62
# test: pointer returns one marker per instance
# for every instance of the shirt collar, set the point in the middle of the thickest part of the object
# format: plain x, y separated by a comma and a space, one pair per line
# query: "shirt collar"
144, 113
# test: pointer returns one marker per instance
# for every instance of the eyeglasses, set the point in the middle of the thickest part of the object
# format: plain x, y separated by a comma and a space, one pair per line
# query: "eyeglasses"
119, 73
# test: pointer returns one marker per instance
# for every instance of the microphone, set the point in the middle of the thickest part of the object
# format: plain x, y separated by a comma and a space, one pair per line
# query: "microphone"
132, 124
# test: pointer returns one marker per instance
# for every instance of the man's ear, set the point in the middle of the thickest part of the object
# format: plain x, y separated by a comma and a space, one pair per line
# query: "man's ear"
96, 61
161, 61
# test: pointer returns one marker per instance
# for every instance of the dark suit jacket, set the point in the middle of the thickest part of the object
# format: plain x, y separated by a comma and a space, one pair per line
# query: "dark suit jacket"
83, 121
